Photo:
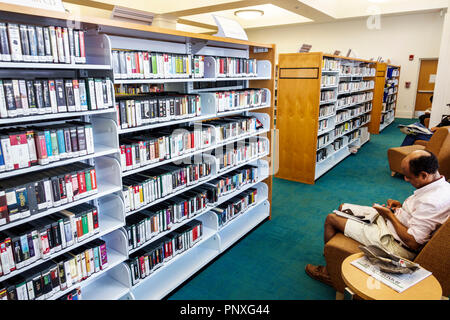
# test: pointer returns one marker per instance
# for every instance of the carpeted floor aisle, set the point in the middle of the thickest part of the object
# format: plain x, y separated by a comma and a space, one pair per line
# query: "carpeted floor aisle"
269, 262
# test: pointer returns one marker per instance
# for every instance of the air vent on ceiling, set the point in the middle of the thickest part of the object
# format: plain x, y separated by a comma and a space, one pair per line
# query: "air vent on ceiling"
133, 15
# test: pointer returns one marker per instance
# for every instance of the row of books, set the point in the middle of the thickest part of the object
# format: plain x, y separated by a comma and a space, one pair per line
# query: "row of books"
147, 65
23, 147
171, 142
328, 80
338, 144
75, 294
330, 64
388, 106
31, 43
145, 261
230, 182
393, 72
163, 144
328, 95
245, 98
142, 226
135, 111
161, 217
325, 153
386, 117
361, 70
354, 99
143, 188
327, 110
229, 128
324, 124
346, 114
321, 155
20, 97
230, 209
23, 245
138, 88
390, 90
239, 152
389, 98
236, 67
355, 86
350, 125
26, 195
323, 140
59, 274
352, 136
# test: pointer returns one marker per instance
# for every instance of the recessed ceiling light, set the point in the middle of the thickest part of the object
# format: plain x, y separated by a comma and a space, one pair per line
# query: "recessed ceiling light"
249, 14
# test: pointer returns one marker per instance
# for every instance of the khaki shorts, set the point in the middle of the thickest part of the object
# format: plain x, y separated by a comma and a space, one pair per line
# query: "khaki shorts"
376, 234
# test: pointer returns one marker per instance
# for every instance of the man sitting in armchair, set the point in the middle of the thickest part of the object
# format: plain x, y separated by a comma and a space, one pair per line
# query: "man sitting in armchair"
402, 229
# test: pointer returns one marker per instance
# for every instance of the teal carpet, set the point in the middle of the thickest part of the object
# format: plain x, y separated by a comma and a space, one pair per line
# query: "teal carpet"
269, 263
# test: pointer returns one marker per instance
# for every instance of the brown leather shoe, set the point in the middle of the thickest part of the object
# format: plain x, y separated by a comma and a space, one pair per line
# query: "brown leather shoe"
318, 273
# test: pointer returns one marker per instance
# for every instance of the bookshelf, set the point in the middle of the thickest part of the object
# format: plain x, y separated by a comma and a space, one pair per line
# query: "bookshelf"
328, 116
385, 96
390, 96
103, 37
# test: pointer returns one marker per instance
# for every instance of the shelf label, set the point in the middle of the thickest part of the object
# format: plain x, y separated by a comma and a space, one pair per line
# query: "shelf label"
55, 5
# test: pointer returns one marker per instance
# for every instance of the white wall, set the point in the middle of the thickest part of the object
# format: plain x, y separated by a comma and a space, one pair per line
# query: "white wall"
397, 38
441, 91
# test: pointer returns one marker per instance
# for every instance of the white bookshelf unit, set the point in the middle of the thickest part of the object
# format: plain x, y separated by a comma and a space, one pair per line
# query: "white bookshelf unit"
390, 96
102, 38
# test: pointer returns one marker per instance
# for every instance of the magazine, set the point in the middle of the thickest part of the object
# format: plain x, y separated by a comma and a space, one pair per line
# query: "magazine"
363, 214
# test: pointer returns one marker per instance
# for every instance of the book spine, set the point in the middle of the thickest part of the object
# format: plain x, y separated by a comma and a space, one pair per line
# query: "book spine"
14, 42
65, 36
40, 44
25, 44
83, 95
76, 93
54, 44
60, 45
71, 45
4, 43
82, 46
70, 96
23, 97
33, 43
47, 45
3, 108
52, 94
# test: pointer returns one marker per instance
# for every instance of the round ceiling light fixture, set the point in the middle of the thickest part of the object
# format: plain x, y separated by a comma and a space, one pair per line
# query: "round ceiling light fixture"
249, 14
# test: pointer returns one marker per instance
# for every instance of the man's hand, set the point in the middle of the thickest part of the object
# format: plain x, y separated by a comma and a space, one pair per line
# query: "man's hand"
383, 211
393, 204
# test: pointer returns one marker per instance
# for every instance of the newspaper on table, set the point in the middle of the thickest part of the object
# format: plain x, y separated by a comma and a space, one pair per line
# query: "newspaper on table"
402, 274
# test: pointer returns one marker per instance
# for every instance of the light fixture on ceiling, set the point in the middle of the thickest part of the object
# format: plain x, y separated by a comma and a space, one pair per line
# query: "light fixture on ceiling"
249, 13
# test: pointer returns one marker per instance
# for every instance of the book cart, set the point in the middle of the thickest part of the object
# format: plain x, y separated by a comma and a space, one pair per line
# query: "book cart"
103, 37
385, 96
323, 109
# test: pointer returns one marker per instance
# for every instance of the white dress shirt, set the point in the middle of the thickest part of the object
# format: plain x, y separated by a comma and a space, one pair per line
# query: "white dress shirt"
424, 211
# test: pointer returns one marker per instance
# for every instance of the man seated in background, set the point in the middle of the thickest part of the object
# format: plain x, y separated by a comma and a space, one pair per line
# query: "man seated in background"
401, 229
411, 138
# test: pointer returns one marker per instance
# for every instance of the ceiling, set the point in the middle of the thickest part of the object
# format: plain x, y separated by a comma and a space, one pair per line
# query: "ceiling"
196, 15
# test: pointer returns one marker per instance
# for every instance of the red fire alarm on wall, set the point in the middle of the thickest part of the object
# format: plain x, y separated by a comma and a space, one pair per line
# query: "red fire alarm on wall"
411, 57
407, 85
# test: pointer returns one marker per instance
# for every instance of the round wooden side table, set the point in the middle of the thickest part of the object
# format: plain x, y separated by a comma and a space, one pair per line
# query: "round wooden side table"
369, 288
